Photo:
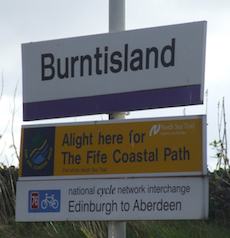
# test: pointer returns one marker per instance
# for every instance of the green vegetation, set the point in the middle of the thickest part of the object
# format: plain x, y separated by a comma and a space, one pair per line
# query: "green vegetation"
8, 177
159, 229
218, 224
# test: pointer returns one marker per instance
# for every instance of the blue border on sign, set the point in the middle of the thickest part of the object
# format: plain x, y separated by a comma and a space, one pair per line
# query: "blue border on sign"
129, 101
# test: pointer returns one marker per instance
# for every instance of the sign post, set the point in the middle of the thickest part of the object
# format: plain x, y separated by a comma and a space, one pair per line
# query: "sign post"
116, 23
81, 170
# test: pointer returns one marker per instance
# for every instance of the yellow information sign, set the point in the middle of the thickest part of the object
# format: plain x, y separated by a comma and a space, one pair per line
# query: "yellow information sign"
131, 147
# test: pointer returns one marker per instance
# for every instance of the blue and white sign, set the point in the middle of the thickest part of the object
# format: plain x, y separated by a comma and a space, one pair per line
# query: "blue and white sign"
169, 198
123, 71
44, 201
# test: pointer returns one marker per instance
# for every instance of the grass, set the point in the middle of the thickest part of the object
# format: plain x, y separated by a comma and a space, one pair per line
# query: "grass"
142, 229
178, 229
54, 229
217, 226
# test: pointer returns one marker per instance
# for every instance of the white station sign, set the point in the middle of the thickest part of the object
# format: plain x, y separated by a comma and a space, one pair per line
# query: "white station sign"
124, 71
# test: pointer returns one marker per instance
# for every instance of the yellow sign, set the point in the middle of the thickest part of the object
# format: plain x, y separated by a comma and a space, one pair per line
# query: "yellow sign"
128, 147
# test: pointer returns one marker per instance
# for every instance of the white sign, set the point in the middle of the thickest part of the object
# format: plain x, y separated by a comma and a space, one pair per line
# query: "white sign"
113, 199
138, 69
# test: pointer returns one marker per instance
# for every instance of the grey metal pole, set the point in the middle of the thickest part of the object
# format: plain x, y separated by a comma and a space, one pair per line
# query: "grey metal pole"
116, 229
117, 23
116, 15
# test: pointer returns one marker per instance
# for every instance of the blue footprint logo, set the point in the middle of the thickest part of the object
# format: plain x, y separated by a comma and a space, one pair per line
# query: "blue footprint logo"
39, 155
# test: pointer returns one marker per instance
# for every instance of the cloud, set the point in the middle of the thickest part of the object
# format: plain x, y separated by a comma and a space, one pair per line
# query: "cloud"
25, 21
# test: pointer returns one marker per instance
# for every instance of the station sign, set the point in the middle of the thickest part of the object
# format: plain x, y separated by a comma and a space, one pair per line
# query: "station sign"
150, 147
112, 199
123, 71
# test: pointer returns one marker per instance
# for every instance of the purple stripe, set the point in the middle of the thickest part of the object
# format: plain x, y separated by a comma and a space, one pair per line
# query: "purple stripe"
121, 102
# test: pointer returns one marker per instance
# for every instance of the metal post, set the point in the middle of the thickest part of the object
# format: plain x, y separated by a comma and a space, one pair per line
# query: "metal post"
116, 23
116, 15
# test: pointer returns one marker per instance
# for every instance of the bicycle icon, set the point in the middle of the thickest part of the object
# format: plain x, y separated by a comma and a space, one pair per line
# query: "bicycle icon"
49, 202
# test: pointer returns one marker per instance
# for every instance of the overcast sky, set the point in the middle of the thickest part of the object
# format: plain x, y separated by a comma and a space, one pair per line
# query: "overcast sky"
29, 21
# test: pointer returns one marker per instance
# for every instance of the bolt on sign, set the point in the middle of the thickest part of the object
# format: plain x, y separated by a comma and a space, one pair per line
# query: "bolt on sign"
124, 71
168, 146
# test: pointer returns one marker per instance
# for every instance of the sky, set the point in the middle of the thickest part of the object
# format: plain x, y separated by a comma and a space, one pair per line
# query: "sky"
30, 21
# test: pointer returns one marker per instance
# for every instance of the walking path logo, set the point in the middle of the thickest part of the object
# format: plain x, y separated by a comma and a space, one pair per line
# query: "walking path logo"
38, 151
44, 201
